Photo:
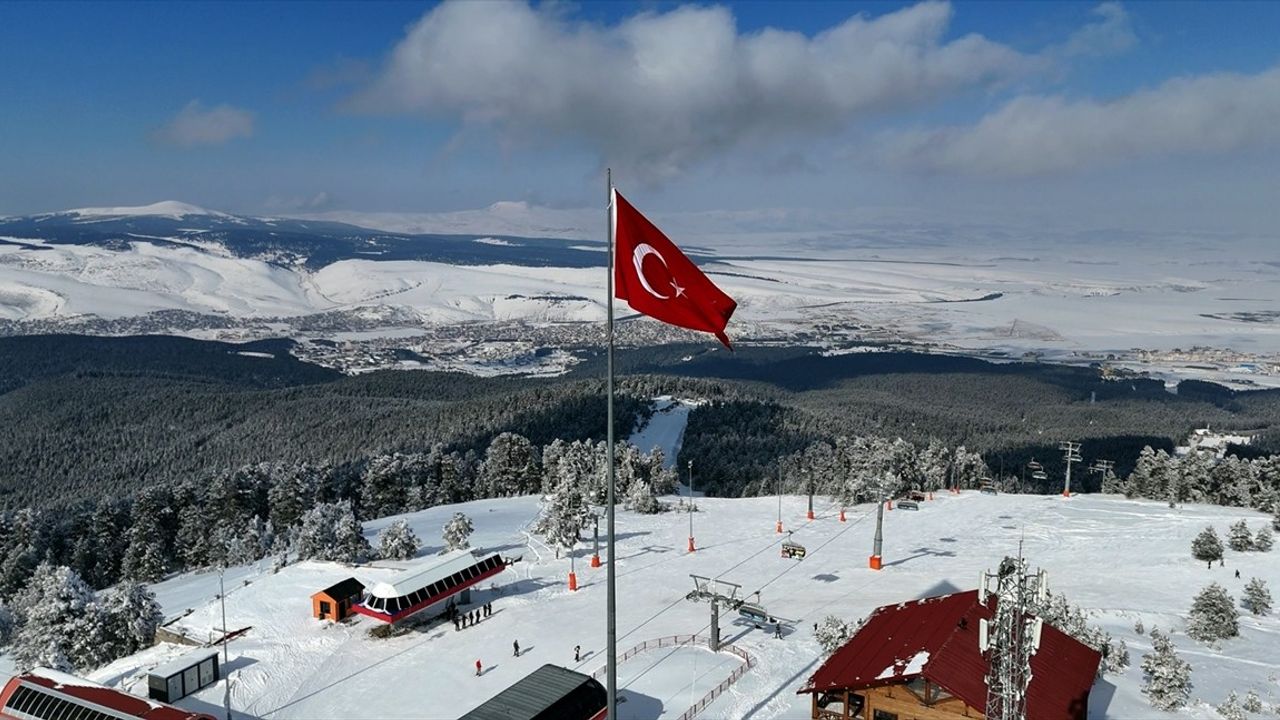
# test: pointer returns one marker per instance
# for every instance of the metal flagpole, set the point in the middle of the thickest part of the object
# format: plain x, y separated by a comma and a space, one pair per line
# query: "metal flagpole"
611, 611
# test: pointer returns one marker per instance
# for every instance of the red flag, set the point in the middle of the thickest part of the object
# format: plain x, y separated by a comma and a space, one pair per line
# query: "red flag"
656, 279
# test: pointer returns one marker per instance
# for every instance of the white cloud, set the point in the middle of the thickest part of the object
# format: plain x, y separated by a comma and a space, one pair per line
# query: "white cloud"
1112, 33
659, 92
1200, 115
197, 125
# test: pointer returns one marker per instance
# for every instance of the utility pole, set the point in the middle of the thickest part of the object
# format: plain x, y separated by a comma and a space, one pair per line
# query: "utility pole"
779, 525
874, 562
1071, 450
595, 533
809, 515
226, 642
691, 546
1012, 636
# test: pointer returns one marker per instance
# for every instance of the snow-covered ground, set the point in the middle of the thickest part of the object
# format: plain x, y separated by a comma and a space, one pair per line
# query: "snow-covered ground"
1124, 560
1011, 292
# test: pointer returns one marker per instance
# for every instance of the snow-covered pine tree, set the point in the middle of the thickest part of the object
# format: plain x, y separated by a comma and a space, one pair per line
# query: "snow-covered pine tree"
1213, 615
25, 545
564, 515
1230, 708
315, 536
510, 466
145, 557
1257, 597
1117, 657
193, 537
291, 494
6, 623
397, 541
1137, 627
1166, 677
1252, 703
833, 632
1275, 521
640, 498
1239, 538
1264, 540
384, 483
59, 623
348, 535
1207, 547
132, 615
456, 533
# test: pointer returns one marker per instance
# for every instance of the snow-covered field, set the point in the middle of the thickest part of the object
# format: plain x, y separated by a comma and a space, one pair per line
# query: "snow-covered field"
987, 290
1124, 560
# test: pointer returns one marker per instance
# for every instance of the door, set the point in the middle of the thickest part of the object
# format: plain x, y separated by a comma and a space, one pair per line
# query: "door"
325, 609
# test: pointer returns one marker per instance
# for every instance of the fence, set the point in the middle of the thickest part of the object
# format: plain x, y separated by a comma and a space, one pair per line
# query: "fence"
676, 640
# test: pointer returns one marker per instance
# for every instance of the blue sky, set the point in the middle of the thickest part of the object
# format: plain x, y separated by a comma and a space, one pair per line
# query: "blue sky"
1133, 113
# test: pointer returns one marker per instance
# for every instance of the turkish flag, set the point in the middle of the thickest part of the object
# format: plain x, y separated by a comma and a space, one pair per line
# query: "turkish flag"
656, 279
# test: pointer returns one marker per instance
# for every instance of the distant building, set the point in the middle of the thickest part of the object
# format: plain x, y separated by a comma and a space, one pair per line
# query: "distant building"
548, 693
335, 601
430, 589
920, 660
1204, 441
45, 694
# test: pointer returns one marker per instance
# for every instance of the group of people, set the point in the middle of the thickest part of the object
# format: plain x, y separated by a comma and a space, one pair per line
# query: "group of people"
469, 618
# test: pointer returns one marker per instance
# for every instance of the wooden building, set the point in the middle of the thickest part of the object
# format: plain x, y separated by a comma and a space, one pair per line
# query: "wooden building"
335, 601
920, 660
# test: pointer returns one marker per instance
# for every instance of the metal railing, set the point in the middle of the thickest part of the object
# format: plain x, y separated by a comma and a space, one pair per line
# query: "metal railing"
677, 640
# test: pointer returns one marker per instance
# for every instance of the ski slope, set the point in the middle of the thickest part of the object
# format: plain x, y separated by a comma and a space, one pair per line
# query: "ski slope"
1124, 560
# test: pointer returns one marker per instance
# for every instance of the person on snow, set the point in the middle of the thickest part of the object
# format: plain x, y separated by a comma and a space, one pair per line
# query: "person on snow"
577, 653
478, 666
1237, 574
515, 647
777, 630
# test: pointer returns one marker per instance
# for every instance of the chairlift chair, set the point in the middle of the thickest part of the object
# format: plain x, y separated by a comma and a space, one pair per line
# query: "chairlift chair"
793, 550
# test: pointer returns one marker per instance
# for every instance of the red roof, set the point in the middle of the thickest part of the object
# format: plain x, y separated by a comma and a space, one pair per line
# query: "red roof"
87, 692
937, 638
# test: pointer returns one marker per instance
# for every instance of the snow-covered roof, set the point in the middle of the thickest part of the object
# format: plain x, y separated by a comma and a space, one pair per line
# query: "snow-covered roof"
182, 662
418, 578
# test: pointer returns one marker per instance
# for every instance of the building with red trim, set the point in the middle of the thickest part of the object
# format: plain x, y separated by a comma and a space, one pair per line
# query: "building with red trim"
45, 694
430, 589
920, 660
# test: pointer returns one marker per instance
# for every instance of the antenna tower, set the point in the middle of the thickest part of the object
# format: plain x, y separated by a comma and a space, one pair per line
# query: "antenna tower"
1012, 636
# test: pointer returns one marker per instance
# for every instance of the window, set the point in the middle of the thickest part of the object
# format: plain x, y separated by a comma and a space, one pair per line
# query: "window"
882, 715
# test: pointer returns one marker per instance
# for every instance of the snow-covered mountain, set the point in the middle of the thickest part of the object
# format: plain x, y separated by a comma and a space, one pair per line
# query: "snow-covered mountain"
797, 278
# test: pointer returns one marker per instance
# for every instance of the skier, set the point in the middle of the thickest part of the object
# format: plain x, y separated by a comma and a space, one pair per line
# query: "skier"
478, 666
577, 653
1237, 574
456, 626
515, 647
777, 630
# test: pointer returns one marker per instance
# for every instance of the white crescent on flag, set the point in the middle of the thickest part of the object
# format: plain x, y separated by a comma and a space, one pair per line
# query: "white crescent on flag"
637, 257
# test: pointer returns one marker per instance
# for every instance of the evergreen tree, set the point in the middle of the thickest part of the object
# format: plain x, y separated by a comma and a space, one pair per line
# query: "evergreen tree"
564, 515
1207, 547
397, 541
132, 615
6, 623
1239, 538
146, 557
1137, 627
349, 543
193, 537
1275, 521
510, 466
330, 531
1166, 677
640, 498
25, 546
59, 623
1230, 708
292, 494
1252, 703
1117, 657
1264, 540
1213, 615
456, 533
833, 632
1257, 597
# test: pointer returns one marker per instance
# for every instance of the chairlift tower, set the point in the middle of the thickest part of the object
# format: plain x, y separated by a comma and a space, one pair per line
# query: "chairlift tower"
1071, 451
1012, 636
875, 562
716, 592
1102, 467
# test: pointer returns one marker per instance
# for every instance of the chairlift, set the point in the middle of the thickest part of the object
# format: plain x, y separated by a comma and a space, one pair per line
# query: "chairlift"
908, 505
988, 489
793, 550
755, 613
1040, 475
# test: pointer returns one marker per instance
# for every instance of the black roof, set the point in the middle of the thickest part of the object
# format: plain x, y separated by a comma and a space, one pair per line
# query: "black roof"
344, 589
549, 688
